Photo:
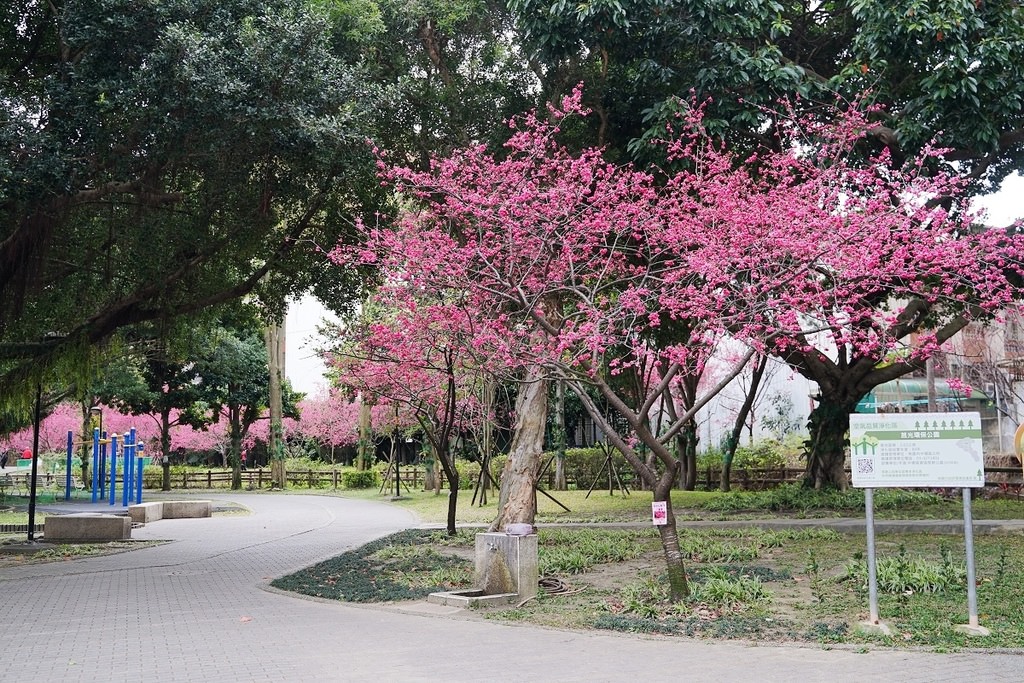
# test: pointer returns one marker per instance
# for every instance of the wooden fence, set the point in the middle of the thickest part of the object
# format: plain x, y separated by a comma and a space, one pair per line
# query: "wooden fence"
259, 478
413, 477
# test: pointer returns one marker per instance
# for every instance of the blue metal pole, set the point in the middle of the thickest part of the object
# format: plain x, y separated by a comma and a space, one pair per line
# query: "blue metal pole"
135, 456
113, 468
67, 471
103, 464
95, 462
126, 480
138, 479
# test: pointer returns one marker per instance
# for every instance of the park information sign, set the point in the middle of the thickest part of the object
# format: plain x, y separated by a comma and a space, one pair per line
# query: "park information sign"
916, 449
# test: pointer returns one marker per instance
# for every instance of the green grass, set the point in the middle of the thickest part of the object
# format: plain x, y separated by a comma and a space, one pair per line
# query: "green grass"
598, 507
787, 501
18, 517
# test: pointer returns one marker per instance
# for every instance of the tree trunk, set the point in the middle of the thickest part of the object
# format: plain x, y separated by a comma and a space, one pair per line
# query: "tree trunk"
745, 411
453, 498
235, 452
443, 456
826, 448
686, 444
430, 477
669, 534
86, 440
165, 449
560, 483
273, 336
364, 448
517, 500
660, 483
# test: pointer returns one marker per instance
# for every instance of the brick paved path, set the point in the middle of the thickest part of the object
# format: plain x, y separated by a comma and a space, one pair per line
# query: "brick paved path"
197, 609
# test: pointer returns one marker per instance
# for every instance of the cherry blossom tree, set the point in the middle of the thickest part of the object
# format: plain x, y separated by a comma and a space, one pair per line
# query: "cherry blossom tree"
53, 430
560, 265
407, 350
888, 254
329, 418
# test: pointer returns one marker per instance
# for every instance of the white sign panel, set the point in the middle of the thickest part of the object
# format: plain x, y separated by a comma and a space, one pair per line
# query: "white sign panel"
659, 512
916, 449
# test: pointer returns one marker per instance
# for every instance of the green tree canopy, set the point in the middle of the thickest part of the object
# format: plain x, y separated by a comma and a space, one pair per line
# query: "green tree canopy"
162, 156
946, 69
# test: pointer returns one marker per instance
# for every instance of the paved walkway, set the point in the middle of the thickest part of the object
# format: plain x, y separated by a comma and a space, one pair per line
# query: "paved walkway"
198, 609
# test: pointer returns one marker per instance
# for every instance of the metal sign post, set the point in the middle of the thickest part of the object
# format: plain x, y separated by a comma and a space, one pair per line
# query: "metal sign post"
971, 627
869, 518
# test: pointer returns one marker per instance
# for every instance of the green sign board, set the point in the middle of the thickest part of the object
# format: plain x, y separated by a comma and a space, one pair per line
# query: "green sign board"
916, 449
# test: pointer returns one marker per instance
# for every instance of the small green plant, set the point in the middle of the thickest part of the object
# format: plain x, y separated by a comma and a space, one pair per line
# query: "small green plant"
723, 590
902, 575
1001, 565
703, 549
812, 568
356, 479
574, 551
647, 598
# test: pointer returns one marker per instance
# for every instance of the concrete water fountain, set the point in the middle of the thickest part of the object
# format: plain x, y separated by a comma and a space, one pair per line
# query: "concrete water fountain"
505, 571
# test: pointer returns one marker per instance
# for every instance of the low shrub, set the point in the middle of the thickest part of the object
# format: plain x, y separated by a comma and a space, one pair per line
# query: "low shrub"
794, 497
469, 473
764, 454
584, 465
498, 466
364, 479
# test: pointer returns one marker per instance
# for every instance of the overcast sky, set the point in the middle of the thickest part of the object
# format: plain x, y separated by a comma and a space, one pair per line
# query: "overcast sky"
302, 366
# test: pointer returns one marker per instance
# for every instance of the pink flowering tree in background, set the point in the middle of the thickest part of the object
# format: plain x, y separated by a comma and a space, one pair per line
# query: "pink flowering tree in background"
53, 431
407, 351
331, 419
213, 438
65, 417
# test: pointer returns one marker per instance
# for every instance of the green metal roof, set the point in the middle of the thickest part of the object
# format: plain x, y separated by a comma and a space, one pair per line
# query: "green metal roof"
913, 391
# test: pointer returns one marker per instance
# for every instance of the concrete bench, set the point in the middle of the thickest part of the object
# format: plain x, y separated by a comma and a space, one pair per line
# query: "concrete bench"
144, 513
86, 526
177, 509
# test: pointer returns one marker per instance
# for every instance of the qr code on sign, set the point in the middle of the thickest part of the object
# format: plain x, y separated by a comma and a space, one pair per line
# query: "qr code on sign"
865, 466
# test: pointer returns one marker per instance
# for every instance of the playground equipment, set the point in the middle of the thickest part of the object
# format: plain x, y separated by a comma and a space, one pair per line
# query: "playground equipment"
132, 466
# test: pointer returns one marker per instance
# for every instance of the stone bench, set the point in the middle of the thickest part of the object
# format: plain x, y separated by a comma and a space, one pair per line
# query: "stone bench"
144, 513
178, 509
86, 526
